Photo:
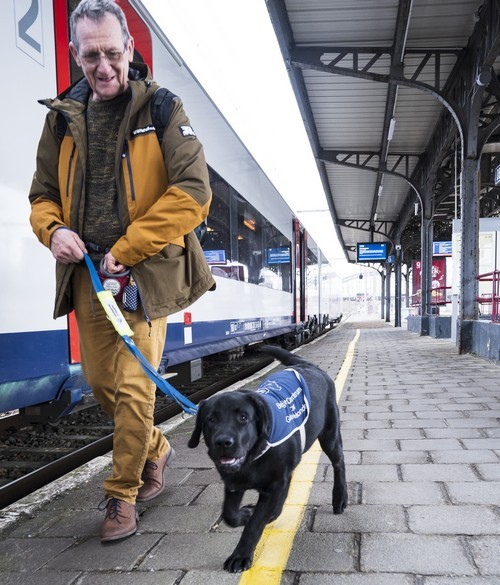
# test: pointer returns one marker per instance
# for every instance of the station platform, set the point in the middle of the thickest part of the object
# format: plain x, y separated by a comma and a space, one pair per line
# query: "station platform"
421, 434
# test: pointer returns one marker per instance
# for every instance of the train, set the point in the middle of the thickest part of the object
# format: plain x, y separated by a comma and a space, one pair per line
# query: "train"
273, 282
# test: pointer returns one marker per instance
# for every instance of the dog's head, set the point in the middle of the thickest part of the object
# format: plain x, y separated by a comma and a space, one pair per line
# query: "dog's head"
235, 427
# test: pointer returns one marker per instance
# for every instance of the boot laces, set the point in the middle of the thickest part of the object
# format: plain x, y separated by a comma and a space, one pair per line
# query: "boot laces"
112, 507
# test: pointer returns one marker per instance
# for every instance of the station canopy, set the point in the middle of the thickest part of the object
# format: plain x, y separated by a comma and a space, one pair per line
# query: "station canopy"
372, 79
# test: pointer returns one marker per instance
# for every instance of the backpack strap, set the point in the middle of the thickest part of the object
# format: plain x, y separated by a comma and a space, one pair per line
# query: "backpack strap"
162, 103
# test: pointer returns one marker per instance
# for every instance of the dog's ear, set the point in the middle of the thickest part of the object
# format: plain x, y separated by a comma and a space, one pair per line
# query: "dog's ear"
263, 419
194, 441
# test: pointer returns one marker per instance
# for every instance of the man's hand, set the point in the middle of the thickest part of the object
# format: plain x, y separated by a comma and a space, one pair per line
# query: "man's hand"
112, 265
67, 247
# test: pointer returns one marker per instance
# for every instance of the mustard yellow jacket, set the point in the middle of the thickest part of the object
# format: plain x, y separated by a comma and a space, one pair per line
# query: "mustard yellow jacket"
163, 194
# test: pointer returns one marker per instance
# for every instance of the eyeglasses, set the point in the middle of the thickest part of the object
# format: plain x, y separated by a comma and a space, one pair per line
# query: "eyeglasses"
95, 58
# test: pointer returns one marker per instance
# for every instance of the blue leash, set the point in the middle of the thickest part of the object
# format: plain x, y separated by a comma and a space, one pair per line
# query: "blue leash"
123, 329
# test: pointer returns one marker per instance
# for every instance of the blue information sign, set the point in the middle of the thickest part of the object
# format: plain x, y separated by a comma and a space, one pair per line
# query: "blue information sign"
278, 255
441, 248
215, 256
372, 252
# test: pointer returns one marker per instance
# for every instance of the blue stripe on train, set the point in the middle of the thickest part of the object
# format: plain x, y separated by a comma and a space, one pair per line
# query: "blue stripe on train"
34, 366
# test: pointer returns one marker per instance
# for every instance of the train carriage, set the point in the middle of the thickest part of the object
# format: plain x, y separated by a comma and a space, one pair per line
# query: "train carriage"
272, 279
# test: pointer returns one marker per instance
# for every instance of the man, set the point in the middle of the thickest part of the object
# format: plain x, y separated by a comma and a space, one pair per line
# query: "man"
104, 186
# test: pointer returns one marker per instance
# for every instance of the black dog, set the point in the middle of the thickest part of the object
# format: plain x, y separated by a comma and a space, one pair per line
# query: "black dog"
244, 441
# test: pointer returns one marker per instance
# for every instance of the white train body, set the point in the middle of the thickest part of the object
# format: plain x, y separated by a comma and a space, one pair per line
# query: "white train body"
255, 298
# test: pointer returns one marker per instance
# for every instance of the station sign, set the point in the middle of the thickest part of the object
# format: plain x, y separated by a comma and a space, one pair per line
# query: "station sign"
441, 248
372, 252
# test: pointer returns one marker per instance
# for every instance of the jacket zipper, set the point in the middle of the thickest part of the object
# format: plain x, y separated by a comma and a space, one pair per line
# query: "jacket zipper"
126, 156
70, 168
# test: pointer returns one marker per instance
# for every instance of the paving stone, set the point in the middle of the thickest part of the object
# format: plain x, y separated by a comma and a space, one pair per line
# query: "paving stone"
194, 518
395, 434
438, 472
375, 457
464, 456
414, 553
456, 433
460, 581
30, 554
369, 472
486, 492
429, 444
449, 519
402, 493
489, 471
39, 578
186, 552
122, 555
486, 553
364, 518
367, 445
355, 579
335, 553
133, 578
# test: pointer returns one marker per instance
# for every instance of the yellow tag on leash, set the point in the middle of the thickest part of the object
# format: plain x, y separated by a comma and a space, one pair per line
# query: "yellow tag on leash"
114, 314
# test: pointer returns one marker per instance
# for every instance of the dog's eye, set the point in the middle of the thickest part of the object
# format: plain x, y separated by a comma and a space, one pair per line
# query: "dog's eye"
243, 417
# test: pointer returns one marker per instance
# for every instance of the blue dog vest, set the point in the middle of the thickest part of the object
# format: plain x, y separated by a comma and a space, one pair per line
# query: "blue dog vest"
287, 395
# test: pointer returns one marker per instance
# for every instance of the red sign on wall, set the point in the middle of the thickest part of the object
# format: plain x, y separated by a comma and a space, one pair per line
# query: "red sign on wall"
438, 282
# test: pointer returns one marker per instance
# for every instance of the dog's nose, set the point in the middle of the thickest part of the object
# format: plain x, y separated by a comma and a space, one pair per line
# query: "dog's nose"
224, 441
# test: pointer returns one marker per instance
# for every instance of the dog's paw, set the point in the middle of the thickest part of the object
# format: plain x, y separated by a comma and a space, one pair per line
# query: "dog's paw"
237, 563
339, 502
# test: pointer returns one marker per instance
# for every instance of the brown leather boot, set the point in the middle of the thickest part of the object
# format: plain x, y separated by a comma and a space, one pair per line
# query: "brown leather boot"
152, 476
120, 520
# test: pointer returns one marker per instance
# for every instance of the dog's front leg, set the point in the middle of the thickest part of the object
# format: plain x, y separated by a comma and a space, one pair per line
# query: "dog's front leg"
231, 513
268, 508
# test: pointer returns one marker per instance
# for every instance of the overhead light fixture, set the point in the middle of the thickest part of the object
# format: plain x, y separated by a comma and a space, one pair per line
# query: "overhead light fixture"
380, 189
392, 126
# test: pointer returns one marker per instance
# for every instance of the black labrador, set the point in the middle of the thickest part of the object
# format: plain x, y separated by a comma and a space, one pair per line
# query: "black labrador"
244, 441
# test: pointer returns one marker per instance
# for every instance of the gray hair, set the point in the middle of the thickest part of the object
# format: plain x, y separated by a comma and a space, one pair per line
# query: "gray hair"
97, 10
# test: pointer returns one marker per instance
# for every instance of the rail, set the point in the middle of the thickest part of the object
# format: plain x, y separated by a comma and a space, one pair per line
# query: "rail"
490, 299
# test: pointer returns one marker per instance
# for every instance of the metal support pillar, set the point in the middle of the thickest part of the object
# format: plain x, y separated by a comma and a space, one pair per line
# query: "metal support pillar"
469, 260
382, 295
388, 293
397, 287
426, 260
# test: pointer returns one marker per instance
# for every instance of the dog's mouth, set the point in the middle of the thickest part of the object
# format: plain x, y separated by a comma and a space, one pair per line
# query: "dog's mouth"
231, 462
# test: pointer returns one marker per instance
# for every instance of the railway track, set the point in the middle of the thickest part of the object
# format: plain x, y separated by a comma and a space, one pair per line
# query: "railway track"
37, 455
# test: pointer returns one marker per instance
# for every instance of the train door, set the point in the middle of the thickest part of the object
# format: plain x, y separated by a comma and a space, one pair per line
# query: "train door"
300, 247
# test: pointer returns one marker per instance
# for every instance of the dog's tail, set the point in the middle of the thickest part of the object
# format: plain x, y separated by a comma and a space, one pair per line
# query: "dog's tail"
284, 356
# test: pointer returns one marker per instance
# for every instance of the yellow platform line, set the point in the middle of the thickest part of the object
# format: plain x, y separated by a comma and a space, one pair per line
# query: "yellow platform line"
273, 550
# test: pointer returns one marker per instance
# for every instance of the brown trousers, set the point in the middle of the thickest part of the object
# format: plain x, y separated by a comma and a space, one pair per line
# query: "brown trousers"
120, 385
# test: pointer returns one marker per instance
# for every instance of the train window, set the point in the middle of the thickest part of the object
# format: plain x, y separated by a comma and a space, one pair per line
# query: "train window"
241, 243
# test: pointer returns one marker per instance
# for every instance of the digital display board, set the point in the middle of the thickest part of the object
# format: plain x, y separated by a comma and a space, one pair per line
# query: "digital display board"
278, 255
372, 252
215, 256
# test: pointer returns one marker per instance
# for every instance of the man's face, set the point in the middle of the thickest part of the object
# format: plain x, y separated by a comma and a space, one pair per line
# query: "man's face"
102, 56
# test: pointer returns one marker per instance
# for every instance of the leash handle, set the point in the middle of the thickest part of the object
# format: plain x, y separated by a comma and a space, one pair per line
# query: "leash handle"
123, 329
